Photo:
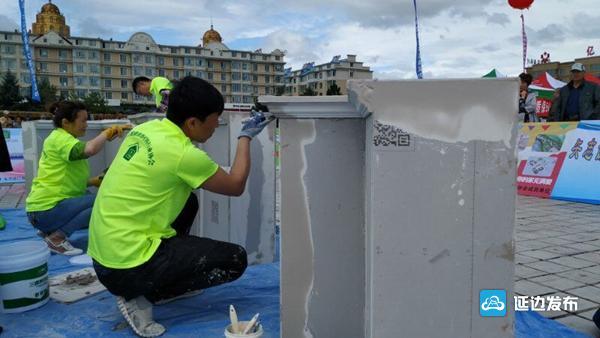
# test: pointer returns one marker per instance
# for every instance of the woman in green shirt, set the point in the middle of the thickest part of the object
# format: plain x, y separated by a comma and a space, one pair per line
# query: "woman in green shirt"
58, 203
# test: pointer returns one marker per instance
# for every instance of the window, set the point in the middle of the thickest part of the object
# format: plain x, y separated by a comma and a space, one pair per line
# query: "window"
9, 49
123, 83
235, 65
236, 76
278, 79
161, 60
236, 87
107, 70
223, 77
149, 72
255, 78
223, 88
210, 76
25, 78
245, 66
351, 74
173, 50
267, 79
123, 58
245, 77
137, 70
63, 68
92, 43
237, 99
81, 93
187, 50
176, 74
175, 62
106, 57
94, 68
43, 66
233, 54
123, 71
43, 53
222, 65
333, 72
209, 64
267, 90
149, 59
198, 62
187, 61
247, 99
7, 37
94, 81
64, 81
93, 55
243, 55
80, 54
161, 72
108, 95
267, 68
63, 54
188, 73
264, 58
80, 80
199, 74
255, 67
123, 96
137, 58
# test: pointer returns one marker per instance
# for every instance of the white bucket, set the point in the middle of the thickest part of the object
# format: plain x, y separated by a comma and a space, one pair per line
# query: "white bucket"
23, 276
230, 334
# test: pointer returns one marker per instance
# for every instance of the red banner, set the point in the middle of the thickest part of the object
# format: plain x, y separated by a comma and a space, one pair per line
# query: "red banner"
542, 107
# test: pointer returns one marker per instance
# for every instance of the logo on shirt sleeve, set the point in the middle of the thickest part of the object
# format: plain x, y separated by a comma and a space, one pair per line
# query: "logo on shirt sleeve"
133, 149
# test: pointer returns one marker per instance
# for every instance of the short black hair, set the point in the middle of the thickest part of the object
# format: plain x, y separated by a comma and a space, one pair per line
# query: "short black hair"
527, 78
65, 110
193, 97
137, 80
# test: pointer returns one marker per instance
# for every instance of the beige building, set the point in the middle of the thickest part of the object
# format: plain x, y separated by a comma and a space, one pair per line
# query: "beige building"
562, 70
321, 77
82, 65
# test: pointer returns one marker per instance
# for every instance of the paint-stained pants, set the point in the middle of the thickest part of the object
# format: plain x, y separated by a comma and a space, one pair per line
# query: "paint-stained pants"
180, 264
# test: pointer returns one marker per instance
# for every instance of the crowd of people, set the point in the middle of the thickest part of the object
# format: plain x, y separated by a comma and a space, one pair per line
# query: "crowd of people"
577, 100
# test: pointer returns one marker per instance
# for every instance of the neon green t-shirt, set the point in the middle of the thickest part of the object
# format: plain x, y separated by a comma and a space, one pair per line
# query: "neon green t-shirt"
159, 83
58, 178
145, 189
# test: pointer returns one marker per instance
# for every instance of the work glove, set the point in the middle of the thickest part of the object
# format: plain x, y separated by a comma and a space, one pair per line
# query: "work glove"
116, 130
254, 125
96, 181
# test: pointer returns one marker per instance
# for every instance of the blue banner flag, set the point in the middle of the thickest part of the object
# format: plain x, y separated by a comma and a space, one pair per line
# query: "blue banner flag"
35, 94
418, 62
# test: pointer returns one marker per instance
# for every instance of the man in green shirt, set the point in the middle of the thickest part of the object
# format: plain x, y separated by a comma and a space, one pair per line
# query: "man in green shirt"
139, 229
159, 87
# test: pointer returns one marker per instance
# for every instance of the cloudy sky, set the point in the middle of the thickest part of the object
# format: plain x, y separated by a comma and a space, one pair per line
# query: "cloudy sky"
459, 38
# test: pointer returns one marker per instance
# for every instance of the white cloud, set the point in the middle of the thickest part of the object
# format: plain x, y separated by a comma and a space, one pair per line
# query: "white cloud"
463, 38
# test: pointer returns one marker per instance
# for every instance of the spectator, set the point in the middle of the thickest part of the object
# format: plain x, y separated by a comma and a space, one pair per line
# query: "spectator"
527, 100
578, 100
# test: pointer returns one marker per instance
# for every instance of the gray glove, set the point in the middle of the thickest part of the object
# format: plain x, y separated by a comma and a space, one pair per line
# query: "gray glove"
254, 125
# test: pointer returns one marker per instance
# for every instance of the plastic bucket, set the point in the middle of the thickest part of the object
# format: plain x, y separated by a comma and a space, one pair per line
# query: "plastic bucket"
230, 334
23, 276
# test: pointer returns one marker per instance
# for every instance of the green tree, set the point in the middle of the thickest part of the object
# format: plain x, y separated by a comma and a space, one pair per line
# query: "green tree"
334, 90
308, 92
47, 92
9, 91
96, 104
279, 91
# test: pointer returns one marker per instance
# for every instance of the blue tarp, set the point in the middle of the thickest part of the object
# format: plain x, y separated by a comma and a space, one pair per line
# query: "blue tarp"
203, 316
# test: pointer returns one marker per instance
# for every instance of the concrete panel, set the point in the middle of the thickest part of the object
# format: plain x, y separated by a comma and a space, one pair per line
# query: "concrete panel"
253, 213
436, 233
322, 222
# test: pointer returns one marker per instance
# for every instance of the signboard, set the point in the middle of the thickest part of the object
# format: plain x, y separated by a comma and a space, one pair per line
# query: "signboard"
14, 142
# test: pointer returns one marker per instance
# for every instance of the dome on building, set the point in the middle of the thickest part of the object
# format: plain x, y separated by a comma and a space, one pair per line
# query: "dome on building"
50, 8
50, 19
211, 35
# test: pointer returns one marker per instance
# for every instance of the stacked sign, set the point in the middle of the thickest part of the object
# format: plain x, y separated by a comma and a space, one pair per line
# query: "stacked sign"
560, 160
